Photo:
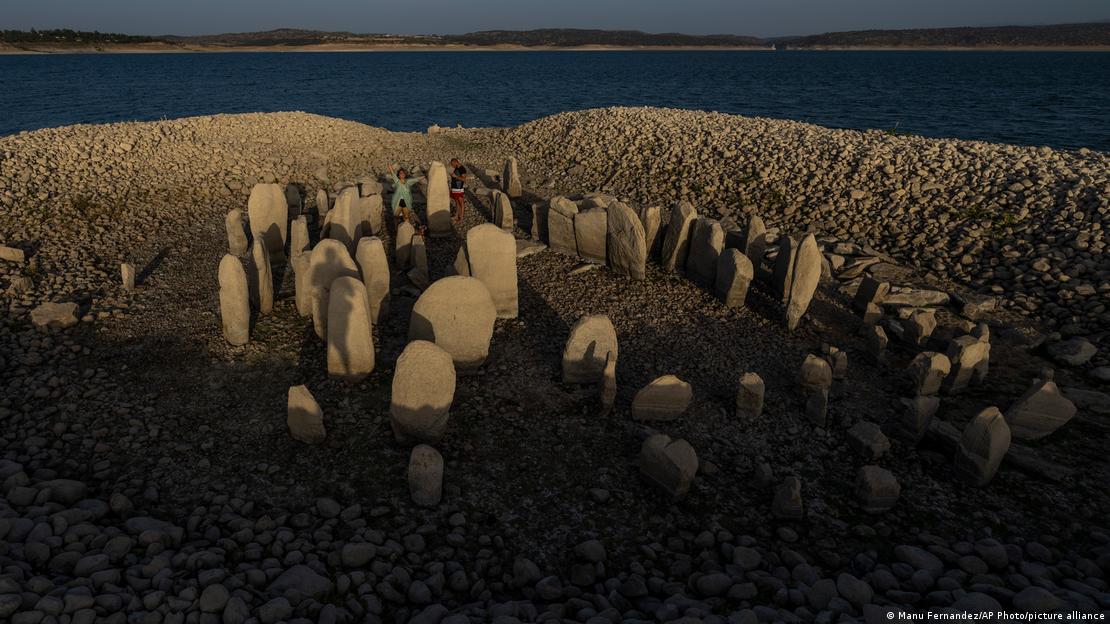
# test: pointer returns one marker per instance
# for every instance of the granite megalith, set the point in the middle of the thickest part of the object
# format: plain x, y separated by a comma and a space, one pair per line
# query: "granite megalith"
491, 258
304, 417
591, 340
438, 201
676, 242
329, 261
423, 389
734, 277
350, 341
235, 309
626, 245
457, 313
669, 464
372, 263
665, 398
269, 217
425, 476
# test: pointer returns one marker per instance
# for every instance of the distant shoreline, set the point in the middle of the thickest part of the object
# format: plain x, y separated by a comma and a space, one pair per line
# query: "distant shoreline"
165, 48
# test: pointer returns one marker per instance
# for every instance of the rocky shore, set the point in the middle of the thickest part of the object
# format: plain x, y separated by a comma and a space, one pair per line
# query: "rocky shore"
148, 473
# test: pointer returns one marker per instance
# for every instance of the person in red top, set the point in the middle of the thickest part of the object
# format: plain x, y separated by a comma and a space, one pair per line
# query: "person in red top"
458, 189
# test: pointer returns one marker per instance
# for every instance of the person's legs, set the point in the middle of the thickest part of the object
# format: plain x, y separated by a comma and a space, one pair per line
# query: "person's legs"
460, 207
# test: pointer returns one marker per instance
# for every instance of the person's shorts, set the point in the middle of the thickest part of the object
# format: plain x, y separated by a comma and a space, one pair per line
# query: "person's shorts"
458, 192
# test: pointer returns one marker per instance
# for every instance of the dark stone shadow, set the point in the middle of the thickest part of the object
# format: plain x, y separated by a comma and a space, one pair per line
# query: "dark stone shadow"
152, 266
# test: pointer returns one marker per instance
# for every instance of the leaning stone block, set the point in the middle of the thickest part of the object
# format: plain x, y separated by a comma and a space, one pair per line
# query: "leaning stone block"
734, 277
676, 243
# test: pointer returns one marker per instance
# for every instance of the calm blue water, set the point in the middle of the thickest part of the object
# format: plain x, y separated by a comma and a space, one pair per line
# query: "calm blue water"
1061, 99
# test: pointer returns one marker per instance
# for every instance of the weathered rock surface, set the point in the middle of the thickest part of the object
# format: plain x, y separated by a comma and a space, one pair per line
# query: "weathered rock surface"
329, 261
439, 201
707, 241
1039, 412
491, 257
269, 217
304, 416
803, 282
261, 278
734, 276
591, 340
502, 209
423, 390
876, 489
237, 244
425, 476
590, 233
456, 313
782, 275
374, 267
627, 244
511, 183
669, 464
560, 226
676, 243
350, 341
927, 372
665, 398
235, 309
816, 378
984, 443
749, 396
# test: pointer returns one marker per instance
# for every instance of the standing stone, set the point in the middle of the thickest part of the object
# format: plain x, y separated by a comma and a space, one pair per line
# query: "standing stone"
1040, 411
968, 356
749, 397
298, 237
876, 342
816, 379
876, 489
425, 476
734, 277
329, 261
344, 218
418, 274
456, 313
803, 283
423, 389
560, 226
127, 276
350, 342
304, 416
591, 340
783, 272
871, 291
439, 201
755, 240
539, 231
676, 243
269, 217
838, 360
871, 315
670, 464
262, 278
914, 422
293, 201
491, 257
402, 253
788, 500
919, 326
707, 240
371, 260
927, 371
502, 210
627, 246
302, 289
609, 382
510, 179
985, 441
666, 398
590, 229
322, 204
237, 244
652, 221
369, 216
235, 309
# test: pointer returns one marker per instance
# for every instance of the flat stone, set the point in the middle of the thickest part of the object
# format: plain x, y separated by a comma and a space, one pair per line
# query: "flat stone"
54, 316
423, 390
525, 248
304, 416
350, 341
425, 476
669, 464
676, 242
456, 313
269, 217
590, 231
734, 277
1039, 412
627, 245
911, 298
591, 340
984, 443
1075, 351
666, 398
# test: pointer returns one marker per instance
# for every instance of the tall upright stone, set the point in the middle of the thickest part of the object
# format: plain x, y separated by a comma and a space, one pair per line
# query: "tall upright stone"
755, 240
560, 226
491, 256
127, 276
329, 261
676, 243
425, 476
269, 217
590, 231
304, 417
913, 423
423, 389
871, 291
237, 244
298, 237
707, 240
510, 179
402, 251
734, 277
816, 379
591, 340
261, 278
370, 209
984, 443
539, 222
302, 289
783, 273
439, 201
927, 372
293, 201
372, 263
345, 218
627, 246
968, 356
456, 313
669, 464
235, 309
803, 283
502, 210
652, 221
350, 341
323, 205
418, 274
749, 397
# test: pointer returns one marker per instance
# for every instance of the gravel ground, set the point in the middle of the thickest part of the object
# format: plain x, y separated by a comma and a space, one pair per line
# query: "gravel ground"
148, 474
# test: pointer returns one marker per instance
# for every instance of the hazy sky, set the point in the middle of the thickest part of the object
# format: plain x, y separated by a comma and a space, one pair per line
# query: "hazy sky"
746, 17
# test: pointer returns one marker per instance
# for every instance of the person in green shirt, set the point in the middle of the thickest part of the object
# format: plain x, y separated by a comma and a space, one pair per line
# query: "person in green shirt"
402, 204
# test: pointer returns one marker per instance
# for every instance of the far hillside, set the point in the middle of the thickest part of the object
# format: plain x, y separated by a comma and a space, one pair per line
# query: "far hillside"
1056, 36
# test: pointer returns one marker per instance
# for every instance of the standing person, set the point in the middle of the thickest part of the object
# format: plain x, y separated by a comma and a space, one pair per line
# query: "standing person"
458, 189
402, 194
